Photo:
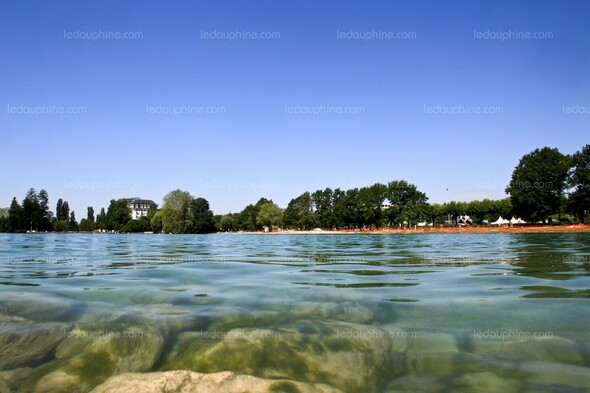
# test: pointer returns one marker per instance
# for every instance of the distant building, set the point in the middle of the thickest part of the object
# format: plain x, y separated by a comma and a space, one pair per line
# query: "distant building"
139, 207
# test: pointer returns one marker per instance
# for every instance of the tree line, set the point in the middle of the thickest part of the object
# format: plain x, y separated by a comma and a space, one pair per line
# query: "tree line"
546, 186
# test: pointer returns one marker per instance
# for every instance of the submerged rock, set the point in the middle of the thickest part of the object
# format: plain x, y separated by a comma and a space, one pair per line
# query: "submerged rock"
554, 349
352, 357
436, 354
14, 379
485, 382
192, 382
564, 376
24, 343
42, 307
417, 384
87, 358
433, 342
347, 312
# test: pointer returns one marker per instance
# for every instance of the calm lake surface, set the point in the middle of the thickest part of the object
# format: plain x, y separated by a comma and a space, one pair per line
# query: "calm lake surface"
361, 313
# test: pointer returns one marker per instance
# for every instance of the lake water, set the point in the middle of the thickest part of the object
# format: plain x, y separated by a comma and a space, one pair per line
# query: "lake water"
360, 313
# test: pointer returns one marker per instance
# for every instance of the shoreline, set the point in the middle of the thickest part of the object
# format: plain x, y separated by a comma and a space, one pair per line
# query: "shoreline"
585, 228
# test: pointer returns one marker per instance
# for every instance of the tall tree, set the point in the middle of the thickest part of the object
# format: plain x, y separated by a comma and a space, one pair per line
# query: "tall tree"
371, 204
341, 209
270, 215
202, 216
299, 214
73, 224
407, 204
44, 213
90, 214
538, 183
59, 211
101, 219
176, 213
246, 219
16, 222
118, 214
227, 224
322, 204
32, 210
579, 199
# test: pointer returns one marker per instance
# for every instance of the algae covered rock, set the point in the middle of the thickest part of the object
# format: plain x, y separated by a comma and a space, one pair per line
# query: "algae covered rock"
553, 349
87, 358
23, 343
352, 357
192, 382
42, 307
486, 382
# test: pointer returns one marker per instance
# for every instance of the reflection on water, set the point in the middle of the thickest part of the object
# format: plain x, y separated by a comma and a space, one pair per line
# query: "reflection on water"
366, 313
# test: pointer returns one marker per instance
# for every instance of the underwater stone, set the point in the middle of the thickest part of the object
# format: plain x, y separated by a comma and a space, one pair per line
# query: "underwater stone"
42, 307
192, 382
485, 382
555, 349
86, 359
352, 357
24, 343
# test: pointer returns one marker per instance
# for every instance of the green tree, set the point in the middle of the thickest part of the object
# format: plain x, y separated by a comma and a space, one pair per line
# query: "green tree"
340, 209
322, 205
44, 212
370, 203
227, 223
202, 216
269, 215
4, 220
118, 214
62, 210
354, 208
299, 213
61, 226
176, 213
538, 183
579, 198
101, 219
90, 214
87, 224
32, 210
142, 224
73, 224
16, 221
407, 204
246, 219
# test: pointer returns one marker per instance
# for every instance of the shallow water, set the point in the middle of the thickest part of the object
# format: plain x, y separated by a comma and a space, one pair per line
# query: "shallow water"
468, 312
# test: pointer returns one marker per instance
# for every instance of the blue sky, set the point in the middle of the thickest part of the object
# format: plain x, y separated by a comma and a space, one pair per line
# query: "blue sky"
261, 144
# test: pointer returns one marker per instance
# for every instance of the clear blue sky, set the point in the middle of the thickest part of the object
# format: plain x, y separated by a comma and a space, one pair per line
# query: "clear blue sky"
257, 147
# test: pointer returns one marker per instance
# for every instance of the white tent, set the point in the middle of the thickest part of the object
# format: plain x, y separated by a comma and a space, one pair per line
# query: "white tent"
501, 221
517, 221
